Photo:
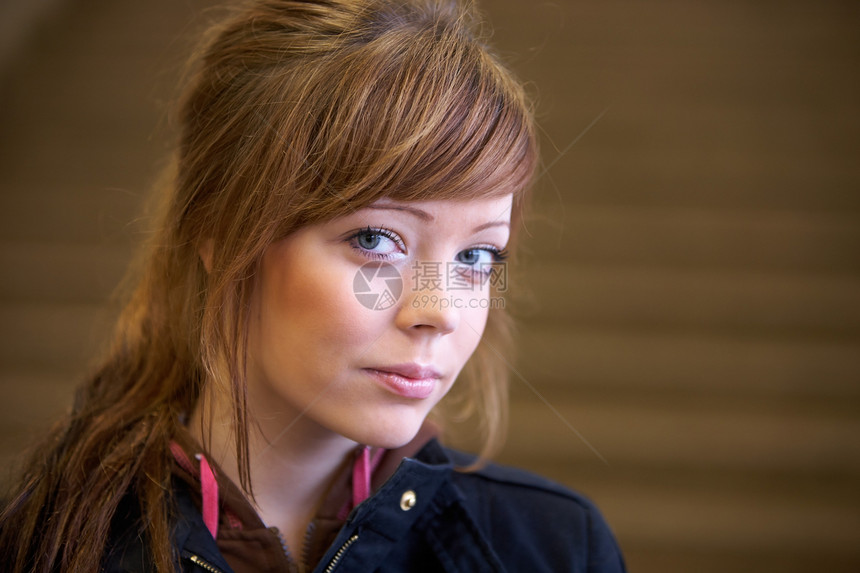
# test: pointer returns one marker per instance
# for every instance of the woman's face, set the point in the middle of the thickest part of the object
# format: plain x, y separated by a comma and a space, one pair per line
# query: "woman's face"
361, 324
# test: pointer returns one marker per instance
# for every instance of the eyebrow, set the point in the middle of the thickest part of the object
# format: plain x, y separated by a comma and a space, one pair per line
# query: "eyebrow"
491, 224
425, 216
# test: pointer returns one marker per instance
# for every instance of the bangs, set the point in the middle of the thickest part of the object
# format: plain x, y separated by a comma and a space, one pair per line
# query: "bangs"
415, 115
309, 112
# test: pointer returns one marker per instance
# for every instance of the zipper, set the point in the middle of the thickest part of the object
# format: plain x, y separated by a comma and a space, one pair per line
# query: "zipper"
306, 547
277, 532
294, 563
340, 552
203, 564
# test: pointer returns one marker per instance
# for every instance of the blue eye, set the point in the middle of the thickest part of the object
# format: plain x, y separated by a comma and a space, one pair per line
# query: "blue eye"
478, 257
477, 264
368, 241
474, 257
376, 243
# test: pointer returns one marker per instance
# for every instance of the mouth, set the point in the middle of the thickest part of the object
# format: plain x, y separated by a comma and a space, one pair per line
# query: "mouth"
407, 380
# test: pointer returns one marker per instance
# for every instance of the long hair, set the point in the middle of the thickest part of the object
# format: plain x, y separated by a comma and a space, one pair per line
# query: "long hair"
297, 112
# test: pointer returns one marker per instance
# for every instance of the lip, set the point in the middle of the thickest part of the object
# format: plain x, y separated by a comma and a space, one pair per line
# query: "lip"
407, 380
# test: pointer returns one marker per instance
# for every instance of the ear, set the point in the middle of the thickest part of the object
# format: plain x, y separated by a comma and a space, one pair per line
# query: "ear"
206, 252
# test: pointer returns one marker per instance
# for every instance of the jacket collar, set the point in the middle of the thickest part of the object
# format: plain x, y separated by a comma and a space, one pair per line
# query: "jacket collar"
419, 495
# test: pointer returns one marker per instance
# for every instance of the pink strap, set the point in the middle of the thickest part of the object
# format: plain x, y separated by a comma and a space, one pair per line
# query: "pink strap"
182, 458
361, 471
209, 491
208, 485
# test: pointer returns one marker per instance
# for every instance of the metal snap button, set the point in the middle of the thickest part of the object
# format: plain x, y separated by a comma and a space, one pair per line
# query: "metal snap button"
408, 500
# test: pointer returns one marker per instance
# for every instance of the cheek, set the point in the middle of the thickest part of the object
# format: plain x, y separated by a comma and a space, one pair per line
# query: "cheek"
319, 307
473, 322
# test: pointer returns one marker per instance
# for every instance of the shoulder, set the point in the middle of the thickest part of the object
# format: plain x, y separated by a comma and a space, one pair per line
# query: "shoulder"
129, 550
518, 509
514, 479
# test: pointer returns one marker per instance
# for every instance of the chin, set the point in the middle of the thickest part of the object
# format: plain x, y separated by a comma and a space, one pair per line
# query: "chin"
393, 432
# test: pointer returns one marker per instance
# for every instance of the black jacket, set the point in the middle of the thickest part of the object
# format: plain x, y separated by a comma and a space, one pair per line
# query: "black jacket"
429, 518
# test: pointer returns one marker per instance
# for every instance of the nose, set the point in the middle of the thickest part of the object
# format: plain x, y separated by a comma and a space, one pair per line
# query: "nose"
427, 306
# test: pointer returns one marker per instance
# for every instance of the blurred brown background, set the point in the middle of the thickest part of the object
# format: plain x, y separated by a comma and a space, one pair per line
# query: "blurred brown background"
690, 305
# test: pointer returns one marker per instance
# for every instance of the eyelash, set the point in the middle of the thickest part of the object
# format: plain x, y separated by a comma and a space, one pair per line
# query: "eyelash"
499, 255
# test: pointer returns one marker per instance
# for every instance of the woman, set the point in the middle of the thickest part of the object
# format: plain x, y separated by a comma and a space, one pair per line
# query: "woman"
347, 180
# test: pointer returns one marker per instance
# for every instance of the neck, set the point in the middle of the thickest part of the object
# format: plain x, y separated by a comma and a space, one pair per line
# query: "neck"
292, 459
